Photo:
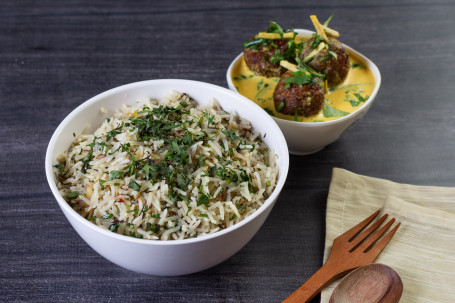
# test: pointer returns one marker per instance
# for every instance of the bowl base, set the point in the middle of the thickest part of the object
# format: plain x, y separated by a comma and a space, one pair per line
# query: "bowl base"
304, 153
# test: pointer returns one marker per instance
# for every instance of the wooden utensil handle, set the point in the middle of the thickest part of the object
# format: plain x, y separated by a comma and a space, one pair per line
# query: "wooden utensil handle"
323, 277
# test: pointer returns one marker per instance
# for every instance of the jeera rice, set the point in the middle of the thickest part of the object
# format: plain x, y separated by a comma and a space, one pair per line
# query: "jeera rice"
168, 170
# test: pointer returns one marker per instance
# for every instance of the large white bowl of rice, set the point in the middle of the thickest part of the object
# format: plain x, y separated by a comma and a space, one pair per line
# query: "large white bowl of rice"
167, 177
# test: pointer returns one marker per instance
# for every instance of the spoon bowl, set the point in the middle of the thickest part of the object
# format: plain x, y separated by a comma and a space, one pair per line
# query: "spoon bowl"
373, 283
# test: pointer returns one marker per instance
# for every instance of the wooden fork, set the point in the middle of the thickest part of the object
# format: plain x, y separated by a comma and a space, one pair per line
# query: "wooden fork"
352, 249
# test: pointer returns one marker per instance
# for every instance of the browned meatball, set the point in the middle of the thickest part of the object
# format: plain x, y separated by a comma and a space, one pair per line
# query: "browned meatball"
324, 62
307, 99
258, 62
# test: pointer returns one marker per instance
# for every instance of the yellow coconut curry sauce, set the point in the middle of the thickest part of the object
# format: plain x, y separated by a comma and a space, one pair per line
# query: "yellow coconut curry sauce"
339, 101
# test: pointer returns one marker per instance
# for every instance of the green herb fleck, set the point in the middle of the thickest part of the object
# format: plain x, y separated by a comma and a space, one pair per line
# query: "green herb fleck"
333, 54
72, 195
133, 185
101, 183
269, 111
203, 199
115, 174
357, 65
329, 111
300, 78
280, 106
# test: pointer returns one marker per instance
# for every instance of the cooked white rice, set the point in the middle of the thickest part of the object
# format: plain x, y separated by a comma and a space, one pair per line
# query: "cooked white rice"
168, 170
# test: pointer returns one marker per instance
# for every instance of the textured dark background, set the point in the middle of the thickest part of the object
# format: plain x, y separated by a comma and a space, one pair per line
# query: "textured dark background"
55, 55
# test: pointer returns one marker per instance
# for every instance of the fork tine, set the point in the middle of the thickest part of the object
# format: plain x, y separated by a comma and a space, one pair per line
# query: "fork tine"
349, 235
374, 237
377, 249
357, 240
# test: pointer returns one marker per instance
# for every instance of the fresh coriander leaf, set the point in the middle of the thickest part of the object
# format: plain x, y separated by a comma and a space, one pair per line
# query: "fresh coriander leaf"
254, 44
200, 161
108, 216
210, 118
115, 174
300, 78
203, 199
101, 183
357, 65
329, 111
280, 106
72, 195
133, 185
324, 58
269, 111
114, 226
333, 54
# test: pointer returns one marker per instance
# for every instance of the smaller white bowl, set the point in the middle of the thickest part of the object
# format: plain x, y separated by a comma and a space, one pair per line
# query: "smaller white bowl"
175, 257
304, 138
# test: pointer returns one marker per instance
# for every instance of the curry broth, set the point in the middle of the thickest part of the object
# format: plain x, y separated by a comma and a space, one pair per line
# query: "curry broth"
339, 101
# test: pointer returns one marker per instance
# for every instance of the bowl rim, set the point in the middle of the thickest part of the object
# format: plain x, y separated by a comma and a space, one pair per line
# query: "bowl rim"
49, 162
370, 64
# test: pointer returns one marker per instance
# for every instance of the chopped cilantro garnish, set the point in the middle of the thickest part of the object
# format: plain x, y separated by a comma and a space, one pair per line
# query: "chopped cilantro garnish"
300, 78
232, 136
333, 54
114, 226
133, 185
101, 183
357, 65
115, 174
280, 106
108, 216
114, 132
72, 195
359, 100
329, 111
155, 228
253, 43
203, 199
210, 118
269, 111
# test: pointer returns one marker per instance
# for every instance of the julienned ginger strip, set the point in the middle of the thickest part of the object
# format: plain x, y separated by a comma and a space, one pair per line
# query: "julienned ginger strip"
275, 35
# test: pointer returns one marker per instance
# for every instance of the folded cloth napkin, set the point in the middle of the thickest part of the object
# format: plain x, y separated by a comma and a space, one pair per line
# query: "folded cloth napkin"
422, 251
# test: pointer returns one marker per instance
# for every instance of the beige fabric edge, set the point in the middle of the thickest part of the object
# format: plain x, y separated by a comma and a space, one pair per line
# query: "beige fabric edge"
423, 249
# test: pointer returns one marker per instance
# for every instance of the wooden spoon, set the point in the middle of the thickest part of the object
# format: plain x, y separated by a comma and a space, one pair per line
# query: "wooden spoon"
374, 283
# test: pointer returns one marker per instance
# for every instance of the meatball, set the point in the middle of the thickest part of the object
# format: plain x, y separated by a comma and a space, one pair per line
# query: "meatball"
335, 67
258, 62
306, 99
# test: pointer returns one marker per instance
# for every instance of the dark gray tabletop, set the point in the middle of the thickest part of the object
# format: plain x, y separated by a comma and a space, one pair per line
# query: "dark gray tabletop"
55, 55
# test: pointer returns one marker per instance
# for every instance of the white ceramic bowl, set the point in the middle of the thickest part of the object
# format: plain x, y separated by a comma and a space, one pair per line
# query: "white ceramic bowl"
305, 138
176, 257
